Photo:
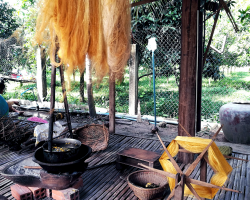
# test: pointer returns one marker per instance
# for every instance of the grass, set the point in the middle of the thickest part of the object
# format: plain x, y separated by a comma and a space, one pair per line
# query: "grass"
234, 87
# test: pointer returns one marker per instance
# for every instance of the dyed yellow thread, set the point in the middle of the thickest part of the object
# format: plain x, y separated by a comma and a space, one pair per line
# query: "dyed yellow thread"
99, 28
197, 145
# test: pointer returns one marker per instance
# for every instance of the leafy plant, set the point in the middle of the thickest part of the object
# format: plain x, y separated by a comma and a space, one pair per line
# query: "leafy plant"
8, 20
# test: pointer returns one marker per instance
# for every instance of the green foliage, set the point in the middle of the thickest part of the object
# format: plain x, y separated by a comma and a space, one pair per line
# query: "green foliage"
159, 19
8, 21
211, 68
245, 16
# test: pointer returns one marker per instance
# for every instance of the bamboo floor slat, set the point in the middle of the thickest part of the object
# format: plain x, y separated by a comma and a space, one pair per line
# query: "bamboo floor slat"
106, 182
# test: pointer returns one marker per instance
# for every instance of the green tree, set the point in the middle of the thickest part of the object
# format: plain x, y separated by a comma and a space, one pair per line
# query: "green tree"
245, 16
8, 21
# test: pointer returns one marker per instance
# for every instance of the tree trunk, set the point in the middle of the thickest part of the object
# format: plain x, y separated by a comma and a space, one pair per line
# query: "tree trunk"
82, 87
91, 102
41, 74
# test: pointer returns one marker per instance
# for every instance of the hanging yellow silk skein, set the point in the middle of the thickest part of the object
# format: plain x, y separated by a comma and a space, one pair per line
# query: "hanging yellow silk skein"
99, 28
69, 22
197, 145
97, 48
116, 24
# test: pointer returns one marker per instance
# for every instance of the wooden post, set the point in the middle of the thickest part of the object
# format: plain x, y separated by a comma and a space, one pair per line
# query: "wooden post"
41, 74
179, 189
66, 106
133, 80
82, 86
91, 101
203, 171
187, 89
111, 104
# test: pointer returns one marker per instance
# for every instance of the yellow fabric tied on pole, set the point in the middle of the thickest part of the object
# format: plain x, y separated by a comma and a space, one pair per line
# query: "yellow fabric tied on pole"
197, 145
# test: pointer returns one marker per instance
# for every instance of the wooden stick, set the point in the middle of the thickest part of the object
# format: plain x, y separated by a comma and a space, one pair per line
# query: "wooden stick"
201, 183
32, 167
229, 15
235, 158
193, 190
215, 135
185, 130
176, 166
190, 180
211, 37
194, 164
184, 151
171, 194
213, 13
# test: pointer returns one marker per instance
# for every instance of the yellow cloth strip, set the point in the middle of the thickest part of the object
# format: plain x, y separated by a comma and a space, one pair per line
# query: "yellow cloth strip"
197, 145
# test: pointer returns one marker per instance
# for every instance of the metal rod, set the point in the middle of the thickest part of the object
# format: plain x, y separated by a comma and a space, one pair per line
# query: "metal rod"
65, 101
199, 68
111, 104
153, 63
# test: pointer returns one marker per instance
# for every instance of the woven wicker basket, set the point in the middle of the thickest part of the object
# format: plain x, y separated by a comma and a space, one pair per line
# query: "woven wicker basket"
137, 181
96, 136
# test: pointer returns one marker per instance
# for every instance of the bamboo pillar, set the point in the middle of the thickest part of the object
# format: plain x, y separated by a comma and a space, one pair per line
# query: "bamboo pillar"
187, 89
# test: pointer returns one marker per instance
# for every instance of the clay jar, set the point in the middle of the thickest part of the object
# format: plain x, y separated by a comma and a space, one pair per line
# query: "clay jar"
235, 117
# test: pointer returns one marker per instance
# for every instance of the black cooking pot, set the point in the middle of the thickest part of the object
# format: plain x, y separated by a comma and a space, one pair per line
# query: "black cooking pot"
63, 150
77, 165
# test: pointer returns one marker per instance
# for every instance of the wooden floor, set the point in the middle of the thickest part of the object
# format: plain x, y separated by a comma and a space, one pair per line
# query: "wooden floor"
105, 182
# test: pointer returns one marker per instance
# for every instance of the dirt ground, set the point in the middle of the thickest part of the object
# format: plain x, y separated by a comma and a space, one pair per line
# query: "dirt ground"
128, 127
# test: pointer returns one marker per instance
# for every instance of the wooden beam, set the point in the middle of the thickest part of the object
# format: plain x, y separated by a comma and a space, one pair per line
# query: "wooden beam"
187, 91
141, 3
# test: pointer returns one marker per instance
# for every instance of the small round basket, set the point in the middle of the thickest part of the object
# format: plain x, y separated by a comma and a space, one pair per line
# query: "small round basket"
95, 135
138, 180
